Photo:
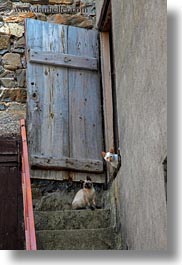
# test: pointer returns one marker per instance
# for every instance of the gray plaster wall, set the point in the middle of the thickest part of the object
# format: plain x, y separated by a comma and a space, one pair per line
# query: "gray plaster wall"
99, 5
138, 192
139, 36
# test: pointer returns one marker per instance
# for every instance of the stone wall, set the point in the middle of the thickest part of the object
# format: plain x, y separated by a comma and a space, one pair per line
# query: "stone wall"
12, 48
138, 193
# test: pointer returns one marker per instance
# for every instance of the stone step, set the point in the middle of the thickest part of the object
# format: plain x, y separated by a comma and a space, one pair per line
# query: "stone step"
72, 219
81, 239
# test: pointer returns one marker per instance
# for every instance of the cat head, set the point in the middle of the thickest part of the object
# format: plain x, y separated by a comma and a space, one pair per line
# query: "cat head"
87, 184
109, 155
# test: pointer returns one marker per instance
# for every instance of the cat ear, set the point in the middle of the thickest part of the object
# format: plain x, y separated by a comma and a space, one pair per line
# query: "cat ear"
88, 178
111, 151
103, 154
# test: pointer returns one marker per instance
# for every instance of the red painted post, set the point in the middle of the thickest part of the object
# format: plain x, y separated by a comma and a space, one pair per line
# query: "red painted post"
27, 193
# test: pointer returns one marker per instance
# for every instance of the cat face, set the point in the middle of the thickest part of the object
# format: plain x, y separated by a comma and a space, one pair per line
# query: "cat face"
111, 158
87, 184
108, 156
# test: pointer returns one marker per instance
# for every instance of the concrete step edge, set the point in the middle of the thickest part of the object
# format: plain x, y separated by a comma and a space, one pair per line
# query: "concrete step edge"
77, 239
66, 220
75, 211
78, 230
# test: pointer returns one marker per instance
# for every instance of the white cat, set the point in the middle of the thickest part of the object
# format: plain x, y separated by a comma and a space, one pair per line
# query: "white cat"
111, 158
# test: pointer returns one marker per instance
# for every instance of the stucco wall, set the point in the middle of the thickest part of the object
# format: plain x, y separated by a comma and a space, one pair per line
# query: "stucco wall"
139, 35
99, 5
138, 195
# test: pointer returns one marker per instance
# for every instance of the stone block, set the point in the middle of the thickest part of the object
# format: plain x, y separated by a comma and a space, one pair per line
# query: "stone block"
73, 20
20, 43
5, 5
58, 18
15, 94
4, 42
80, 21
17, 108
11, 61
8, 82
41, 16
3, 107
23, 61
10, 118
19, 17
18, 50
1, 69
2, 52
12, 29
7, 74
21, 77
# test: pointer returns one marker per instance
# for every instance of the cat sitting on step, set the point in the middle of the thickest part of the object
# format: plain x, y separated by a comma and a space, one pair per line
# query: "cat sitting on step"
86, 197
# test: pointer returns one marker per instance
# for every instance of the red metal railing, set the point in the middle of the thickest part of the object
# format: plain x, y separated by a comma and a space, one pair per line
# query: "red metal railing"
27, 194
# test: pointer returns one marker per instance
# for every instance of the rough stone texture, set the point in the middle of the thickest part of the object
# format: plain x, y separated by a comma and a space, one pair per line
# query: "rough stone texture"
7, 82
1, 68
40, 16
20, 43
21, 77
2, 106
73, 219
12, 29
19, 17
86, 239
7, 74
5, 5
138, 192
74, 20
9, 119
13, 94
4, 42
11, 61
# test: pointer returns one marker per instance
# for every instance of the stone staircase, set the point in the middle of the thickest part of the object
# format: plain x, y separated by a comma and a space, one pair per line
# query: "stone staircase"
74, 230
58, 227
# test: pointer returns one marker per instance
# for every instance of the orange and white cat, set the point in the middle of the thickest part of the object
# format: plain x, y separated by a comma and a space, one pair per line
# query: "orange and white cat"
111, 158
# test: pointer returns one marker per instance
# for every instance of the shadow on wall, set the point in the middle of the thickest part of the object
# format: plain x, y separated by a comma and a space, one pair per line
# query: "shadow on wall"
165, 175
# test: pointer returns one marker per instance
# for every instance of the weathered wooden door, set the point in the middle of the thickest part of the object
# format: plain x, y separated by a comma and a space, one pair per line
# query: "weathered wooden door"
11, 206
64, 115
